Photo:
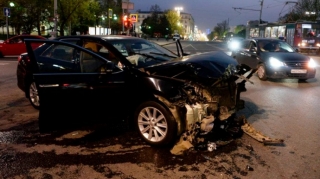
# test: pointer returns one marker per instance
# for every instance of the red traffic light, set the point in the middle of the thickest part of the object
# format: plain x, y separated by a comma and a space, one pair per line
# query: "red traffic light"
125, 18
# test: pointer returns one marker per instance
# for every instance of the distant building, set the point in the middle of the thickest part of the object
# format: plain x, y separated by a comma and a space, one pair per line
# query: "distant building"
186, 19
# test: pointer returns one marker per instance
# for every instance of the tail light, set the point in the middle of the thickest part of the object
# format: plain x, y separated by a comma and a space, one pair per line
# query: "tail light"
25, 57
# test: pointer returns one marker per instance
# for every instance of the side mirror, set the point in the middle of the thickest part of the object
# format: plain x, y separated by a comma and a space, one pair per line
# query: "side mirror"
297, 50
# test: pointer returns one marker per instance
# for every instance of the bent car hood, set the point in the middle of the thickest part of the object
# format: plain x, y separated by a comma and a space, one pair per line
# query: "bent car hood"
205, 65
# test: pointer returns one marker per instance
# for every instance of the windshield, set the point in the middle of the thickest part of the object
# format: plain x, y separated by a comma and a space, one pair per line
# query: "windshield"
142, 53
274, 46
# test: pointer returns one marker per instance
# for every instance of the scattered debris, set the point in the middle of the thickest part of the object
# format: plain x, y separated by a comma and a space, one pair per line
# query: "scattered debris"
248, 129
212, 146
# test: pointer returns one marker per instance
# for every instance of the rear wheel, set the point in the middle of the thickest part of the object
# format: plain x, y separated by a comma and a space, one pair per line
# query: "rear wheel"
33, 95
261, 72
155, 123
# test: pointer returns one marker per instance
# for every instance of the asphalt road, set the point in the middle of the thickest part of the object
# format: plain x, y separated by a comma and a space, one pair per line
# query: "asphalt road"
285, 109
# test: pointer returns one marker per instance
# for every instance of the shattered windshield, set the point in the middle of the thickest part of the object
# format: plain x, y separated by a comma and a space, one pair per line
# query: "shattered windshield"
142, 53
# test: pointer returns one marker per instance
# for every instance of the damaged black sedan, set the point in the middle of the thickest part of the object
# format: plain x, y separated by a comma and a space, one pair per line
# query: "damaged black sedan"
111, 78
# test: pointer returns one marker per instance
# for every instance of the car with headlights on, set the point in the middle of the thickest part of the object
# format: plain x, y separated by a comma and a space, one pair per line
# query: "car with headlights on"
116, 78
274, 59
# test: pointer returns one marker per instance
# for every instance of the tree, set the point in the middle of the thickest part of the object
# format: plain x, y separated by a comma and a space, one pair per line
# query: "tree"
27, 15
221, 29
298, 12
174, 21
72, 10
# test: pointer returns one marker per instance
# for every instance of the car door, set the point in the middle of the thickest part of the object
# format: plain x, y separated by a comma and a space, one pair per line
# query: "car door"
76, 83
248, 54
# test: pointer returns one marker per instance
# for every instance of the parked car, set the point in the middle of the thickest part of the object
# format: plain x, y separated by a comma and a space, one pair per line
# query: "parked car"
15, 46
274, 58
121, 77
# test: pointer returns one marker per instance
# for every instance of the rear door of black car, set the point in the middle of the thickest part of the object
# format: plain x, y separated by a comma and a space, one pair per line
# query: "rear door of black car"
74, 82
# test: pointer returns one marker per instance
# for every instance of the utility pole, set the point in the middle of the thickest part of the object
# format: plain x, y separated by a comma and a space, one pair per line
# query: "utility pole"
261, 12
261, 4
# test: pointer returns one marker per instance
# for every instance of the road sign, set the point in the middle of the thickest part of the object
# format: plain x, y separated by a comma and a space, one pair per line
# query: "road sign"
6, 11
133, 17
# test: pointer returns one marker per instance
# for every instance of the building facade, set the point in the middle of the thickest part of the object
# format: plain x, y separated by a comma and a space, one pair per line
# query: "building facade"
186, 20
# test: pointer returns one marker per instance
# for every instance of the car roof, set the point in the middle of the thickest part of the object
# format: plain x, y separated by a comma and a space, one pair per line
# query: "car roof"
264, 39
27, 35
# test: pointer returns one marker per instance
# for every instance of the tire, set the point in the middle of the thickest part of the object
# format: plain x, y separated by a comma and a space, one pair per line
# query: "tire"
261, 72
163, 130
33, 95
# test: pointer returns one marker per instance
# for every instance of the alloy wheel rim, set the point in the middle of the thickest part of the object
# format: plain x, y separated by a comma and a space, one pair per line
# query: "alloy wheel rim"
152, 124
33, 94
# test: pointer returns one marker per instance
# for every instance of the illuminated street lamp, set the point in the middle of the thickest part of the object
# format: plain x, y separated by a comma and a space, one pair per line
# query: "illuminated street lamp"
178, 9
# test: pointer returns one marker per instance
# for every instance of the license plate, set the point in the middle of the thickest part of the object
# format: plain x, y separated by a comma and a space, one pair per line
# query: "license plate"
298, 71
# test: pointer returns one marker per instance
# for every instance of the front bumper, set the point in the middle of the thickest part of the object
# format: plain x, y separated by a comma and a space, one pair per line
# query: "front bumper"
291, 73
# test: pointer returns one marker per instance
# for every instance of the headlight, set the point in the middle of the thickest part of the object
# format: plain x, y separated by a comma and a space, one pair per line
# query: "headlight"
234, 45
318, 45
275, 62
312, 63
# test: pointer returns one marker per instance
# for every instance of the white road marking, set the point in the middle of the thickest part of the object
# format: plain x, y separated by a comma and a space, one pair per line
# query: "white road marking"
4, 64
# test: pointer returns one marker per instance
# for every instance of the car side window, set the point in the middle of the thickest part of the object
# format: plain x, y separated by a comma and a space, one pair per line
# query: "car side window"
60, 58
91, 64
102, 51
60, 52
253, 45
246, 44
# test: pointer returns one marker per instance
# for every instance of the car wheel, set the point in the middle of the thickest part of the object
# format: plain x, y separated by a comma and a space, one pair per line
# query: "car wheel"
33, 95
261, 72
155, 123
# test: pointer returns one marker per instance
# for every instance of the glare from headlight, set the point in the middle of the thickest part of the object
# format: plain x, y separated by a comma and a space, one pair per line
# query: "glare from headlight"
275, 62
312, 63
234, 45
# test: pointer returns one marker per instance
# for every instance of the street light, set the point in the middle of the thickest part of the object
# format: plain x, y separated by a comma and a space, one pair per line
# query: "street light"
178, 9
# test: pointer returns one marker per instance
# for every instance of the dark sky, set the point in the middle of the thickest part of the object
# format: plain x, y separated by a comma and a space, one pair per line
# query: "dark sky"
207, 13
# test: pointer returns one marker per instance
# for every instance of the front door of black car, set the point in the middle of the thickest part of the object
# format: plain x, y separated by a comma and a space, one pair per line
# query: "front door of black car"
248, 54
76, 83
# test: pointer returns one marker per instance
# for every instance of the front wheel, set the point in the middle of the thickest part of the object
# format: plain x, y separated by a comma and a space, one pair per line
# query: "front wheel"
261, 72
33, 95
155, 123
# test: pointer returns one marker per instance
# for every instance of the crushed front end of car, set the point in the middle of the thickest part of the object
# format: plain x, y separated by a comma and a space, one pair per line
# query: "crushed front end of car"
205, 106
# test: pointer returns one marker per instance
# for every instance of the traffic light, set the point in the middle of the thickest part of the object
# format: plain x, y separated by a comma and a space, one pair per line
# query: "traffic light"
125, 18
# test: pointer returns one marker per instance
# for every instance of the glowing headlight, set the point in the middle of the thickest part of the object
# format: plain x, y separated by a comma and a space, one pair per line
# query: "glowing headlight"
234, 45
318, 45
303, 44
275, 62
312, 63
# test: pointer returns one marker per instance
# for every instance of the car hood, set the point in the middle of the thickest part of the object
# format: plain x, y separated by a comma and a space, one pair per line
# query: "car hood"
285, 56
204, 65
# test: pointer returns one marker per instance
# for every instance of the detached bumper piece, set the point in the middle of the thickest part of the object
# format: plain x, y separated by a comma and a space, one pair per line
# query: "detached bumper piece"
252, 132
211, 134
